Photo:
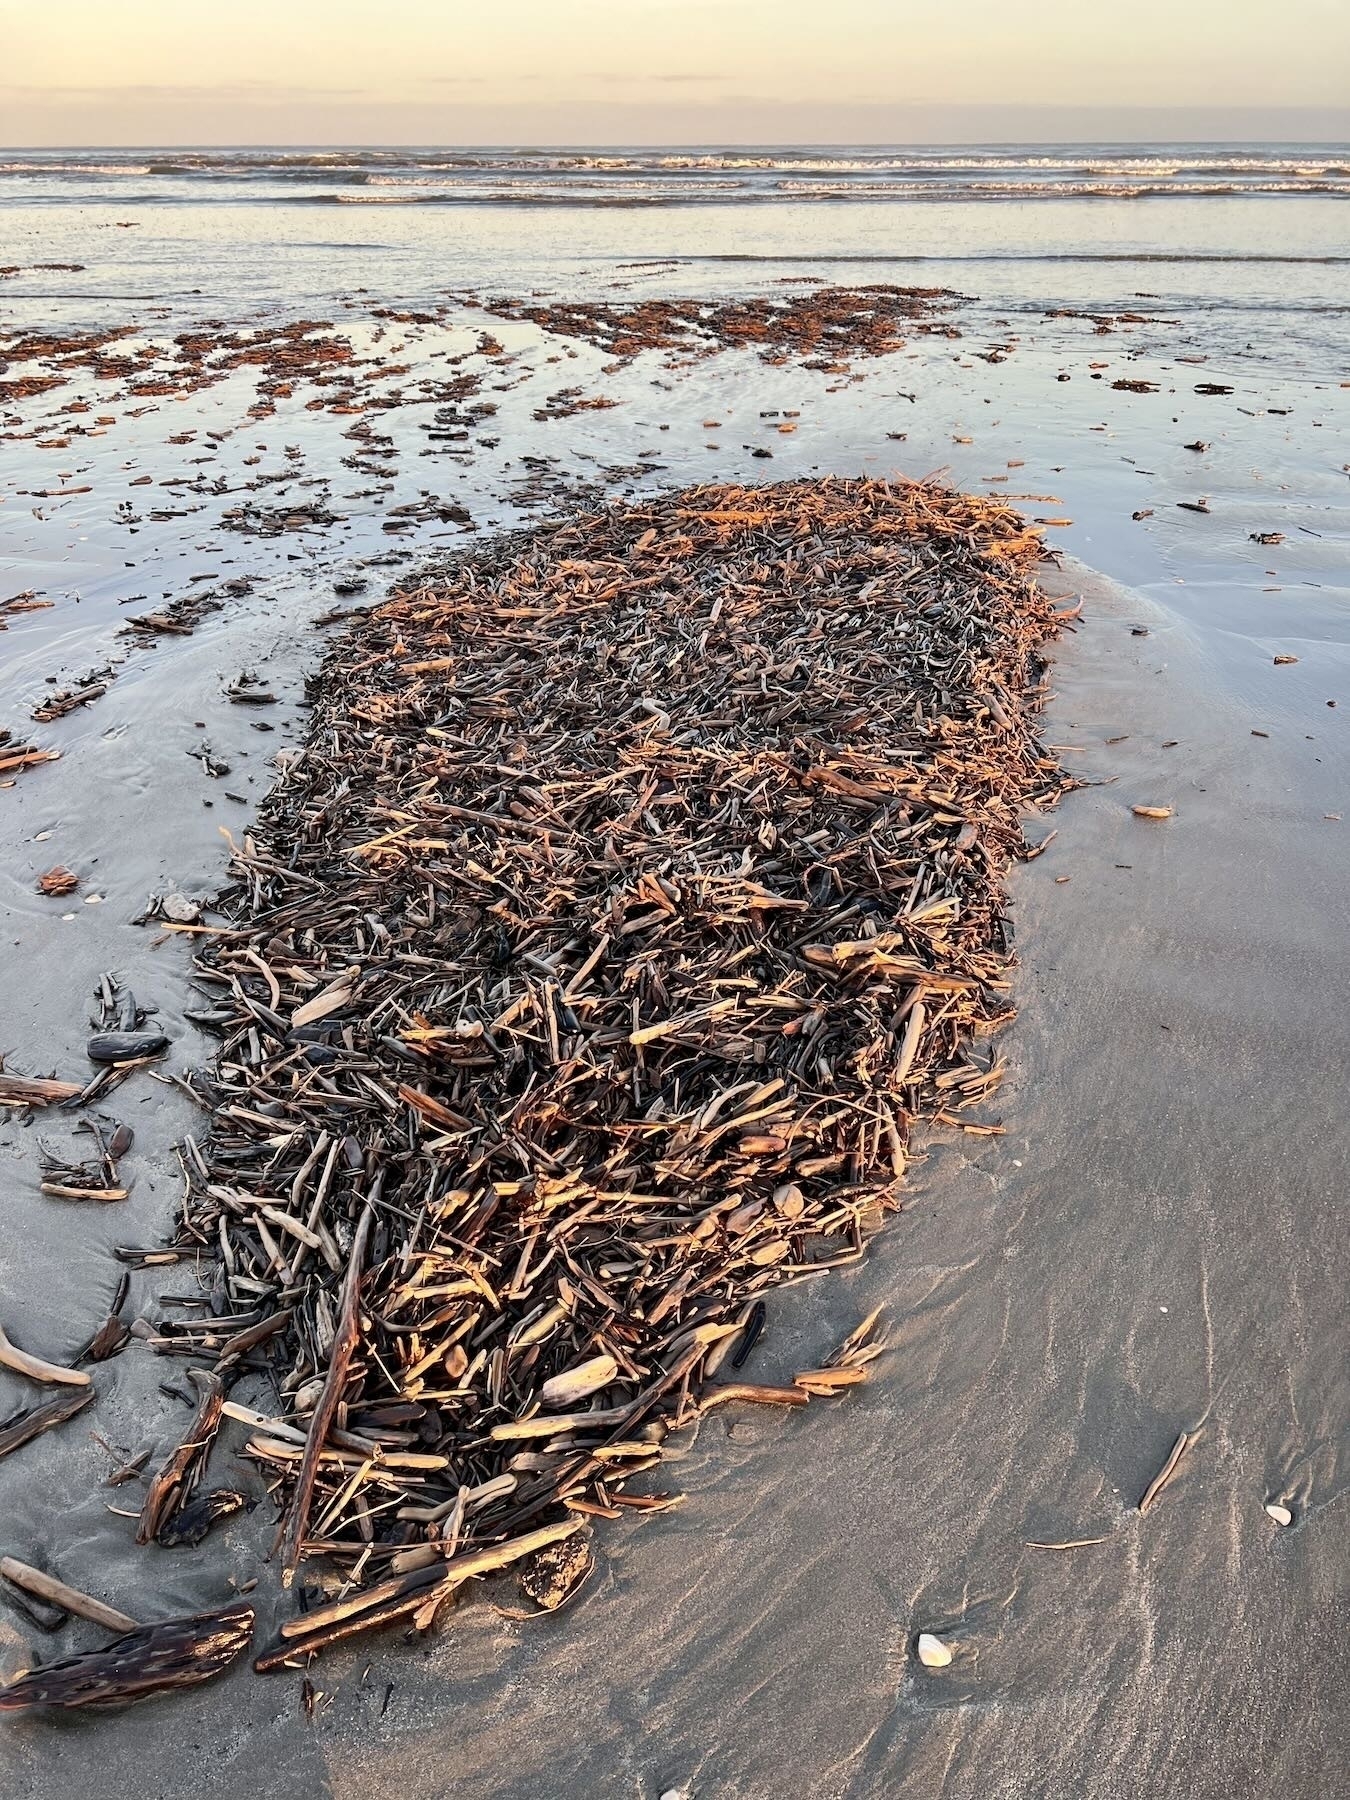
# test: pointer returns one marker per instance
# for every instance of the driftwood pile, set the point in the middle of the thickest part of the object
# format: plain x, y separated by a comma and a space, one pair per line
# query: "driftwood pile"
639, 886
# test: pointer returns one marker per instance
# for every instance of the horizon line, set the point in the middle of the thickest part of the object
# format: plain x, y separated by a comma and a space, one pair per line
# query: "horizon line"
804, 143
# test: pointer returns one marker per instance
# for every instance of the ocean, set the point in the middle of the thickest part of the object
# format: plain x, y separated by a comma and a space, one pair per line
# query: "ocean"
642, 177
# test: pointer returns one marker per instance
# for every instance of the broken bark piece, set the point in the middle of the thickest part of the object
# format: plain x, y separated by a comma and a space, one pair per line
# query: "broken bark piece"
125, 1046
153, 1659
753, 1394
107, 1340
175, 1476
58, 881
345, 1340
554, 1576
37, 1419
192, 1522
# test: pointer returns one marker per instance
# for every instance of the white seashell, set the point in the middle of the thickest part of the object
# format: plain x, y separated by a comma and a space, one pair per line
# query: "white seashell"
1280, 1514
576, 1384
933, 1653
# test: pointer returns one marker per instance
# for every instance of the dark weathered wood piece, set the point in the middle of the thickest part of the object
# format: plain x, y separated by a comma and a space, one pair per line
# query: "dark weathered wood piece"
37, 1419
154, 1659
174, 1478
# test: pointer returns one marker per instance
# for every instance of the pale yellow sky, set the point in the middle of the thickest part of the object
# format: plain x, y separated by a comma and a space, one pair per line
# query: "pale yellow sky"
422, 71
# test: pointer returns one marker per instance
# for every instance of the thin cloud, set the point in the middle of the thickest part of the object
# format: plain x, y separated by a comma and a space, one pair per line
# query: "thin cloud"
601, 77
148, 92
635, 76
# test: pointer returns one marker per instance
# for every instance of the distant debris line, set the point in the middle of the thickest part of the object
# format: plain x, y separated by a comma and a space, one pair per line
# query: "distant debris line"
638, 889
821, 328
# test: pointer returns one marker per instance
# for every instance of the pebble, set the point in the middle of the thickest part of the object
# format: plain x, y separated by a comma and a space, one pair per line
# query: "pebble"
179, 910
933, 1653
1280, 1514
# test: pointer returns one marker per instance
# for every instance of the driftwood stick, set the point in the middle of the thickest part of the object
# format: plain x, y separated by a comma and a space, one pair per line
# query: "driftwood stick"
420, 1581
397, 1587
36, 1368
289, 1650
753, 1393
25, 1090
909, 1044
1068, 1543
345, 1340
47, 1587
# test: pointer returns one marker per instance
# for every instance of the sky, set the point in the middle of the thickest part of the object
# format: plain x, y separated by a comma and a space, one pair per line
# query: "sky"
150, 72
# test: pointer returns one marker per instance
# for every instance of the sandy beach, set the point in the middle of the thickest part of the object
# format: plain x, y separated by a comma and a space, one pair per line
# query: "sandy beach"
1155, 1244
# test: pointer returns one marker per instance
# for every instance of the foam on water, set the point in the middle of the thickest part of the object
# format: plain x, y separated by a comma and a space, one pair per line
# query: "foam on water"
727, 176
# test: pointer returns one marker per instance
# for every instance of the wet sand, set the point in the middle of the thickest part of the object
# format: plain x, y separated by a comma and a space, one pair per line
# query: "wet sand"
1173, 1142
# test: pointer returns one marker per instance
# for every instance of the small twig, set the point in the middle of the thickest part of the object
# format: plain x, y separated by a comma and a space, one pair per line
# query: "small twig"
1165, 1474
1068, 1544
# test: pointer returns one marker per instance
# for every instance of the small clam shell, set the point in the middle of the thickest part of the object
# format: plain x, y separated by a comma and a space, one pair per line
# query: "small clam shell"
1280, 1513
933, 1653
576, 1384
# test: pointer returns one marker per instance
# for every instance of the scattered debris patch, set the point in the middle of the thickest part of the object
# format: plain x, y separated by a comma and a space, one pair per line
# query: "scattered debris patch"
821, 328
